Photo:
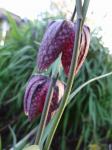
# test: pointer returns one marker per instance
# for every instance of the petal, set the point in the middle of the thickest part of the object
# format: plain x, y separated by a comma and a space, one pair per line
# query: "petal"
67, 52
57, 95
50, 47
84, 51
33, 83
38, 99
61, 88
33, 111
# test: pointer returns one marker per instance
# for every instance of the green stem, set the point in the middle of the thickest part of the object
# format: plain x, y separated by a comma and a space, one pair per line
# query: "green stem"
47, 101
69, 85
45, 111
73, 15
85, 8
23, 141
71, 75
79, 8
79, 143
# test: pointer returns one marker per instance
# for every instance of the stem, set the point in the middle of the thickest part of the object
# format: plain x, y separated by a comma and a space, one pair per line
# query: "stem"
79, 143
79, 8
48, 101
23, 141
73, 15
71, 75
69, 85
85, 8
45, 110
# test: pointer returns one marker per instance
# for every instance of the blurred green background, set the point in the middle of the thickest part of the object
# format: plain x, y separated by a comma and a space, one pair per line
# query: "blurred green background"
87, 120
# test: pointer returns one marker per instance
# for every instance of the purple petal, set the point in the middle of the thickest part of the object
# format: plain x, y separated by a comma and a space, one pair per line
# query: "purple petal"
51, 45
34, 82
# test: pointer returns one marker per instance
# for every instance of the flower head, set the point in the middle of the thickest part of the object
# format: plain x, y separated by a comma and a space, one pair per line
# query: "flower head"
35, 96
59, 38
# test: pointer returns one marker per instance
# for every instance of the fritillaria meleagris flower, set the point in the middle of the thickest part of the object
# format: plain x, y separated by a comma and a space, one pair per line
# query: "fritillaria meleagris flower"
35, 96
59, 38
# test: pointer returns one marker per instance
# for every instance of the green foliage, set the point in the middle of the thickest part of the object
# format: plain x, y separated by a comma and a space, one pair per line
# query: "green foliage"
87, 120
17, 61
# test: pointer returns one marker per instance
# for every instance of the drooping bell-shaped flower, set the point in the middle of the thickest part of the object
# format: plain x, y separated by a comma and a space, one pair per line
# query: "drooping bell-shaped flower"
59, 38
35, 96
